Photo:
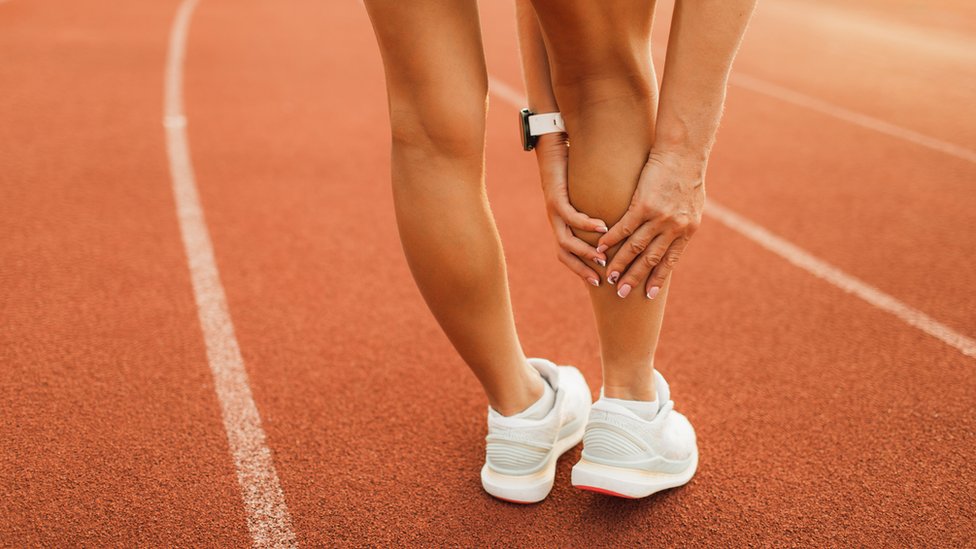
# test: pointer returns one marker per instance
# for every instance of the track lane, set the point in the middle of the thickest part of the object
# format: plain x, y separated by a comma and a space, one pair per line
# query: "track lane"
109, 429
872, 212
335, 335
880, 61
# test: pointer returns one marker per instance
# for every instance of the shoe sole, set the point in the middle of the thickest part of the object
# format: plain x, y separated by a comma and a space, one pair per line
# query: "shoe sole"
533, 488
628, 483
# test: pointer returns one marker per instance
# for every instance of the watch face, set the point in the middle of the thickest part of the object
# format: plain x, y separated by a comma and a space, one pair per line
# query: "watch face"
528, 143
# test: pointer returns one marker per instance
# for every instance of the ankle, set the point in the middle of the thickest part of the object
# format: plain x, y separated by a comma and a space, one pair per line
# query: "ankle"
524, 392
640, 390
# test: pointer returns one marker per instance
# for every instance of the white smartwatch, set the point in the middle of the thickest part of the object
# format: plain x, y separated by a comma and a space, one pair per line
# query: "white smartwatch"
533, 125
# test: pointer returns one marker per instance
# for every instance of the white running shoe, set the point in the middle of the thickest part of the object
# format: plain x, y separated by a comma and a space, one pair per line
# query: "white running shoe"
627, 456
521, 454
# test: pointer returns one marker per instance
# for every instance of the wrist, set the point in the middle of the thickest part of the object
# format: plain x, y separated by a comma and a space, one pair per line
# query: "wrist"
551, 154
680, 153
534, 125
548, 140
680, 141
551, 147
687, 166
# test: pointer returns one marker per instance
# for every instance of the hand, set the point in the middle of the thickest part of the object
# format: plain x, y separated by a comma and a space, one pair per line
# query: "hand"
552, 154
664, 213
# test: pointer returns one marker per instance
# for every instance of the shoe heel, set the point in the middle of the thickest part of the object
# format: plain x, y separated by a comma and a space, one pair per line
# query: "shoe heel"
596, 478
627, 483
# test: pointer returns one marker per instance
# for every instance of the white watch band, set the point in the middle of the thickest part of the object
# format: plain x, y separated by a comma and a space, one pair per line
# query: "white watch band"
550, 122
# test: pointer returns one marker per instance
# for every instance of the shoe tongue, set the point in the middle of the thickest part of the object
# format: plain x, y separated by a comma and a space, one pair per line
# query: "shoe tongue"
663, 391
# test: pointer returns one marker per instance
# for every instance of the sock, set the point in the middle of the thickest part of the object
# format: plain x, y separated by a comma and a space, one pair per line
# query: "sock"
541, 407
645, 409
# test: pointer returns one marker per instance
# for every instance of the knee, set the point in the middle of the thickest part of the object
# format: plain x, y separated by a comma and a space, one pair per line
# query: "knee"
440, 119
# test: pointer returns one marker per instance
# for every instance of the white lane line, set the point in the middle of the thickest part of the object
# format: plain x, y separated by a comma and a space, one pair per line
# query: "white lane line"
805, 260
863, 120
264, 503
839, 278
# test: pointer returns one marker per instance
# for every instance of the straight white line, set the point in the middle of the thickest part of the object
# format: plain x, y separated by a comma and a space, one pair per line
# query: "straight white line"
863, 120
787, 95
264, 503
806, 261
839, 278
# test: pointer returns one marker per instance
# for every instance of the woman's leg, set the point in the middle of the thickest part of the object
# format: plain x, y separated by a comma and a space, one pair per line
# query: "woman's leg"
607, 94
437, 85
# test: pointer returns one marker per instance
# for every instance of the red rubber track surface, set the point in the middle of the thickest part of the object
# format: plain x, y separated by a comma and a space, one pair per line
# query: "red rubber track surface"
822, 420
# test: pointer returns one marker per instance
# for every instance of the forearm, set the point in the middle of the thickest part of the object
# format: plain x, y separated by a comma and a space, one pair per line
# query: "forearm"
705, 35
535, 60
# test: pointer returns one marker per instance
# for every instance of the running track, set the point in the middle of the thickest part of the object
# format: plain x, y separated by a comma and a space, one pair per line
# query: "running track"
174, 263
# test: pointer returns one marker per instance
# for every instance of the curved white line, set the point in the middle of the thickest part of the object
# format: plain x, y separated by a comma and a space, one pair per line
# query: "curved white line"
264, 503
805, 260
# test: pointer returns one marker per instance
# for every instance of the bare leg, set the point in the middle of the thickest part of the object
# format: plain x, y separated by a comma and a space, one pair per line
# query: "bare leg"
438, 85
607, 93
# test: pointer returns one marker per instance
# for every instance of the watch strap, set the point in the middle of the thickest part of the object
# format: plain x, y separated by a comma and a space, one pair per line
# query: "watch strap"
550, 122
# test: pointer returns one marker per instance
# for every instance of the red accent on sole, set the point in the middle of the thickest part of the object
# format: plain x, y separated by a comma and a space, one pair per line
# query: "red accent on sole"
604, 491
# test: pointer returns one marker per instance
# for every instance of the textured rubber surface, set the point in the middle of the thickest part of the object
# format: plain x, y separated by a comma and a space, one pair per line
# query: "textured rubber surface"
822, 421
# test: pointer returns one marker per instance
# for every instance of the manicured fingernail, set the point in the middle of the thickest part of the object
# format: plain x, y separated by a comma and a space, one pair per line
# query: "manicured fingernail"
652, 293
624, 290
601, 248
600, 261
593, 281
602, 229
612, 279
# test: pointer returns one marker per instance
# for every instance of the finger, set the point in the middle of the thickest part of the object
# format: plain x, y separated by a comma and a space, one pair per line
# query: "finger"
635, 244
577, 219
660, 274
574, 245
555, 188
642, 266
622, 229
577, 266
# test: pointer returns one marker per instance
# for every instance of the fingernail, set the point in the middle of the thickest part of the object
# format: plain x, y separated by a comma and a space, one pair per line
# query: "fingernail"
652, 293
612, 279
602, 229
600, 261
624, 290
601, 248
593, 281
